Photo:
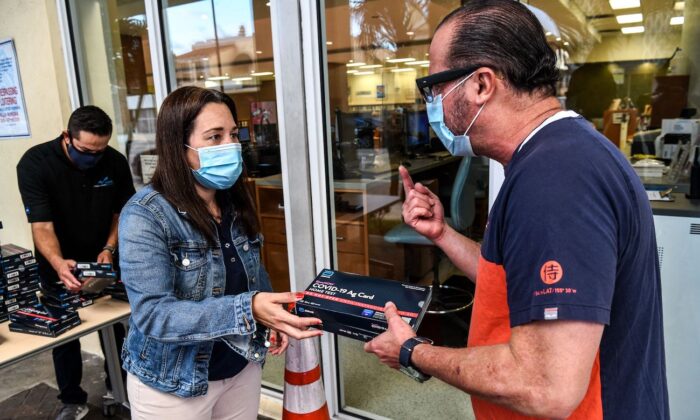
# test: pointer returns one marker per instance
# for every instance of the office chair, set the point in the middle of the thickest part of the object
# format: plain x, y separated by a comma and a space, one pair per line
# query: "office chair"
446, 299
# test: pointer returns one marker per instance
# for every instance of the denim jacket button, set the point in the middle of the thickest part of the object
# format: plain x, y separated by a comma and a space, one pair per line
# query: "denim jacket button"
252, 279
246, 247
257, 355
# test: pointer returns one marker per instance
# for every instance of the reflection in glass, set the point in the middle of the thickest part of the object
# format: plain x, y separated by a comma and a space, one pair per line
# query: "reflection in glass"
376, 50
116, 75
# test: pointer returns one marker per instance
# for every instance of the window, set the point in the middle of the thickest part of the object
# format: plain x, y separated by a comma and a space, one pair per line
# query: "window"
114, 67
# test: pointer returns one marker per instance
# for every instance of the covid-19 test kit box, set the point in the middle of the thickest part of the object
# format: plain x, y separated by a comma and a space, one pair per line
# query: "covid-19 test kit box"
353, 306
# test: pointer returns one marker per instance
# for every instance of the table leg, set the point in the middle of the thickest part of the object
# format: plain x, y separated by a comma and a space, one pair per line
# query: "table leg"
113, 364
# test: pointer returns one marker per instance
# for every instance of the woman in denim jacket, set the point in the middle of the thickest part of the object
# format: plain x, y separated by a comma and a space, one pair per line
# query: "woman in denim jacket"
190, 260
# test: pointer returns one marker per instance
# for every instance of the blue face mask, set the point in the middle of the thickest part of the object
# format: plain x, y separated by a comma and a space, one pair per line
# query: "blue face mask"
83, 160
456, 145
219, 166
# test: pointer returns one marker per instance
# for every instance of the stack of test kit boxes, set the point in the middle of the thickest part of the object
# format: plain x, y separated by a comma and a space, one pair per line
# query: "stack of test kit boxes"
41, 320
19, 279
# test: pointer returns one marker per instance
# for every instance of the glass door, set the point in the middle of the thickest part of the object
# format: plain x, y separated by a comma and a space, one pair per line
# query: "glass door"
375, 51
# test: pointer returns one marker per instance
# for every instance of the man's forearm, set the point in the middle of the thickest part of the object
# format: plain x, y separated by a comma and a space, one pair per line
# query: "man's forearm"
462, 251
112, 239
492, 373
46, 242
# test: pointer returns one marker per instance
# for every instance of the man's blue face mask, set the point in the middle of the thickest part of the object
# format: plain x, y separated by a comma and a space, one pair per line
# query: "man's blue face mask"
219, 166
83, 160
456, 145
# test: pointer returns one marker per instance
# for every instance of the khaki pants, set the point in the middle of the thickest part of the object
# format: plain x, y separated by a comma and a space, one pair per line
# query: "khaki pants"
233, 398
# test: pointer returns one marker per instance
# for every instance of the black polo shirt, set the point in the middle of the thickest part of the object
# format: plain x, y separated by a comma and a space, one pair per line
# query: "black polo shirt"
81, 204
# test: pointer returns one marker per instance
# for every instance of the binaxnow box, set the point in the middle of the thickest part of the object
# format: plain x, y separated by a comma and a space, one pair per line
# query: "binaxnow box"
353, 306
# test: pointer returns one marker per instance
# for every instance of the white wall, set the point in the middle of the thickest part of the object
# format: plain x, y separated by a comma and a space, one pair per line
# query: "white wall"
33, 24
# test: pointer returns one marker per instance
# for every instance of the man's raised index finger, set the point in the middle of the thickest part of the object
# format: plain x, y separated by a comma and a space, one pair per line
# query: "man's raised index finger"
406, 178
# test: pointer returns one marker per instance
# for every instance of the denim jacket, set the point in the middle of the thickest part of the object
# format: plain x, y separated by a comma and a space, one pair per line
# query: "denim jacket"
175, 282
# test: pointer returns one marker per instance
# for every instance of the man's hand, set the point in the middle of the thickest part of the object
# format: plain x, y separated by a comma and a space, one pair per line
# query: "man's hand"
64, 269
387, 346
422, 209
268, 310
105, 257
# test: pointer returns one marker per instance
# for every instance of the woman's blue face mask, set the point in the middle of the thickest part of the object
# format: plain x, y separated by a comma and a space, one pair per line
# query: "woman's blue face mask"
456, 145
219, 166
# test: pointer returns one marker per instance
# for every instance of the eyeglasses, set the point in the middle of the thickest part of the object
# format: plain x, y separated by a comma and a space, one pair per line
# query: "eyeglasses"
425, 84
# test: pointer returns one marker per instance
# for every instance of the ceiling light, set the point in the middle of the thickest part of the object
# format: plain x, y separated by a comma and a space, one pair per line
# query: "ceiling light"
401, 70
679, 5
558, 38
427, 54
351, 71
632, 30
633, 18
677, 20
214, 78
258, 52
547, 34
205, 58
371, 66
410, 33
242, 79
267, 4
418, 63
623, 4
262, 73
329, 42
400, 60
425, 65
566, 43
362, 73
354, 64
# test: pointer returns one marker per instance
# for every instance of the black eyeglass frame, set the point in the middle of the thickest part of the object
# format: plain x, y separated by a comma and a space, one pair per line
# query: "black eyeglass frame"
425, 84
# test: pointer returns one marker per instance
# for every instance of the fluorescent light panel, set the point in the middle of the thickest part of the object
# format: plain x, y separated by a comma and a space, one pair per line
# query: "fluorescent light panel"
401, 60
262, 73
354, 64
362, 73
371, 66
623, 4
401, 70
242, 79
215, 78
418, 63
679, 5
677, 20
632, 18
632, 30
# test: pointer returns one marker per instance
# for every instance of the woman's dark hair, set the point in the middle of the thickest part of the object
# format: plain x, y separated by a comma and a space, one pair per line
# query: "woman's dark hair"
506, 37
173, 176
91, 119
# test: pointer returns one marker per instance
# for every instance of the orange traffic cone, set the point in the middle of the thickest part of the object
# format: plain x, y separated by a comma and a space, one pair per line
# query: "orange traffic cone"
304, 397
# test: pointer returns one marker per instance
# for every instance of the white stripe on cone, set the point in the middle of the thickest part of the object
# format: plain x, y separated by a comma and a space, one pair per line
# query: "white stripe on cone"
305, 398
301, 355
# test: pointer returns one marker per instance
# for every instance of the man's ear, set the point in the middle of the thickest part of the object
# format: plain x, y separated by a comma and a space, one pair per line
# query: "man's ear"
486, 80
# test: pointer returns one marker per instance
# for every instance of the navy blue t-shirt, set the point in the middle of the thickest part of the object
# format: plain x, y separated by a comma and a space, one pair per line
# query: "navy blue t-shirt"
571, 237
224, 362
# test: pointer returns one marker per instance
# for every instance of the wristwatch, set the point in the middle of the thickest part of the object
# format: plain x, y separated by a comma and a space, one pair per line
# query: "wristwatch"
405, 358
109, 248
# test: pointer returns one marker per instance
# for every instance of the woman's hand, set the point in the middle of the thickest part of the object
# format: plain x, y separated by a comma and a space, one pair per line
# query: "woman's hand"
268, 310
278, 342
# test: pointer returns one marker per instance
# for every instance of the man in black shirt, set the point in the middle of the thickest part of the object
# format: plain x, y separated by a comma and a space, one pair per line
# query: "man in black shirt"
73, 189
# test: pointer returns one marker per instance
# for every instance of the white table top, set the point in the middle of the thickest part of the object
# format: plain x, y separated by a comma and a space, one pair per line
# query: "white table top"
18, 346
